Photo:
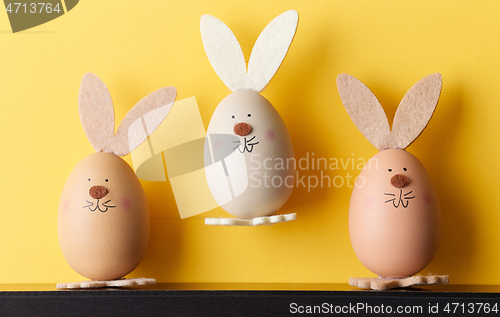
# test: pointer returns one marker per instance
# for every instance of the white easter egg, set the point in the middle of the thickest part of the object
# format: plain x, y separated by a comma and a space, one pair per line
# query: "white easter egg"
251, 171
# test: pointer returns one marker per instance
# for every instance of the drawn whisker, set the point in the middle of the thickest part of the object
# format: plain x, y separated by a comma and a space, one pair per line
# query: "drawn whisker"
408, 192
389, 194
89, 205
390, 200
104, 204
234, 148
251, 138
236, 141
410, 197
252, 144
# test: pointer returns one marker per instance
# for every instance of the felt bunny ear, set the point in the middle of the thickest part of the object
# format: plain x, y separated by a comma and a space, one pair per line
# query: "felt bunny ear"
270, 49
223, 51
97, 116
413, 114
142, 120
365, 110
96, 111
415, 110
226, 57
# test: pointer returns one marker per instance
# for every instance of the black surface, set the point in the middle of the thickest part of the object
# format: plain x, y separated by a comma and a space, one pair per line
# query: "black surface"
244, 300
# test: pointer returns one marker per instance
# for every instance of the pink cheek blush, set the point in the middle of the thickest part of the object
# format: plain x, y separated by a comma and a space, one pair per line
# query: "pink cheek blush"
126, 203
66, 206
427, 199
270, 134
216, 144
368, 202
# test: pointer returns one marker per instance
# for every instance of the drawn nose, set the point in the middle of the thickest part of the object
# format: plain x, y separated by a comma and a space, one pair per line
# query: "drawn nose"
400, 181
242, 129
97, 192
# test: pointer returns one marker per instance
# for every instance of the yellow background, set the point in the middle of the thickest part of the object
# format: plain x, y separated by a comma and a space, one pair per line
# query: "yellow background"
137, 47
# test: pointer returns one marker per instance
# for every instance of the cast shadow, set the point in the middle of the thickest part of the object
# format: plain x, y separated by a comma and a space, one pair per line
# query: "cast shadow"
456, 251
312, 80
161, 260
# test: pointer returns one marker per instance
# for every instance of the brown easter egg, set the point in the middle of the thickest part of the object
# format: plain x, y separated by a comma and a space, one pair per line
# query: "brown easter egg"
103, 219
394, 215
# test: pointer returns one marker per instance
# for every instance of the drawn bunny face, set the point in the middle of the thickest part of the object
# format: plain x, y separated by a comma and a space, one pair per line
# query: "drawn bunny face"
255, 122
103, 218
258, 130
394, 213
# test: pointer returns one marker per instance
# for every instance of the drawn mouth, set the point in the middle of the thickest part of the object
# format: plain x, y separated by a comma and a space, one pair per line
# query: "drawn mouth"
246, 145
98, 206
403, 200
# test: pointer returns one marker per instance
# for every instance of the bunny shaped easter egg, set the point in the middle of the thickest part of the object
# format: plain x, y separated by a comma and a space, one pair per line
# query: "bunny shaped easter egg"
394, 213
251, 182
103, 219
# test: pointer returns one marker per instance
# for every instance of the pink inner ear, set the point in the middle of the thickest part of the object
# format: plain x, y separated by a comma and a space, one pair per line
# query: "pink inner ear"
125, 203
270, 135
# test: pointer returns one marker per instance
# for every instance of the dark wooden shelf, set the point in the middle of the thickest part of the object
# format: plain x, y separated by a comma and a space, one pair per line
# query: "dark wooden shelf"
236, 299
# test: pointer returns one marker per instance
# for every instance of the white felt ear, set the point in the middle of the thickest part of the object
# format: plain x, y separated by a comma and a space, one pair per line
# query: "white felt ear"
270, 49
223, 52
142, 120
96, 111
415, 110
365, 110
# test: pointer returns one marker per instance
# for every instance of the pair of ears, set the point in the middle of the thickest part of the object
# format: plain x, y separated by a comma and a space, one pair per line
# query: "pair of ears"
98, 118
411, 118
226, 57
